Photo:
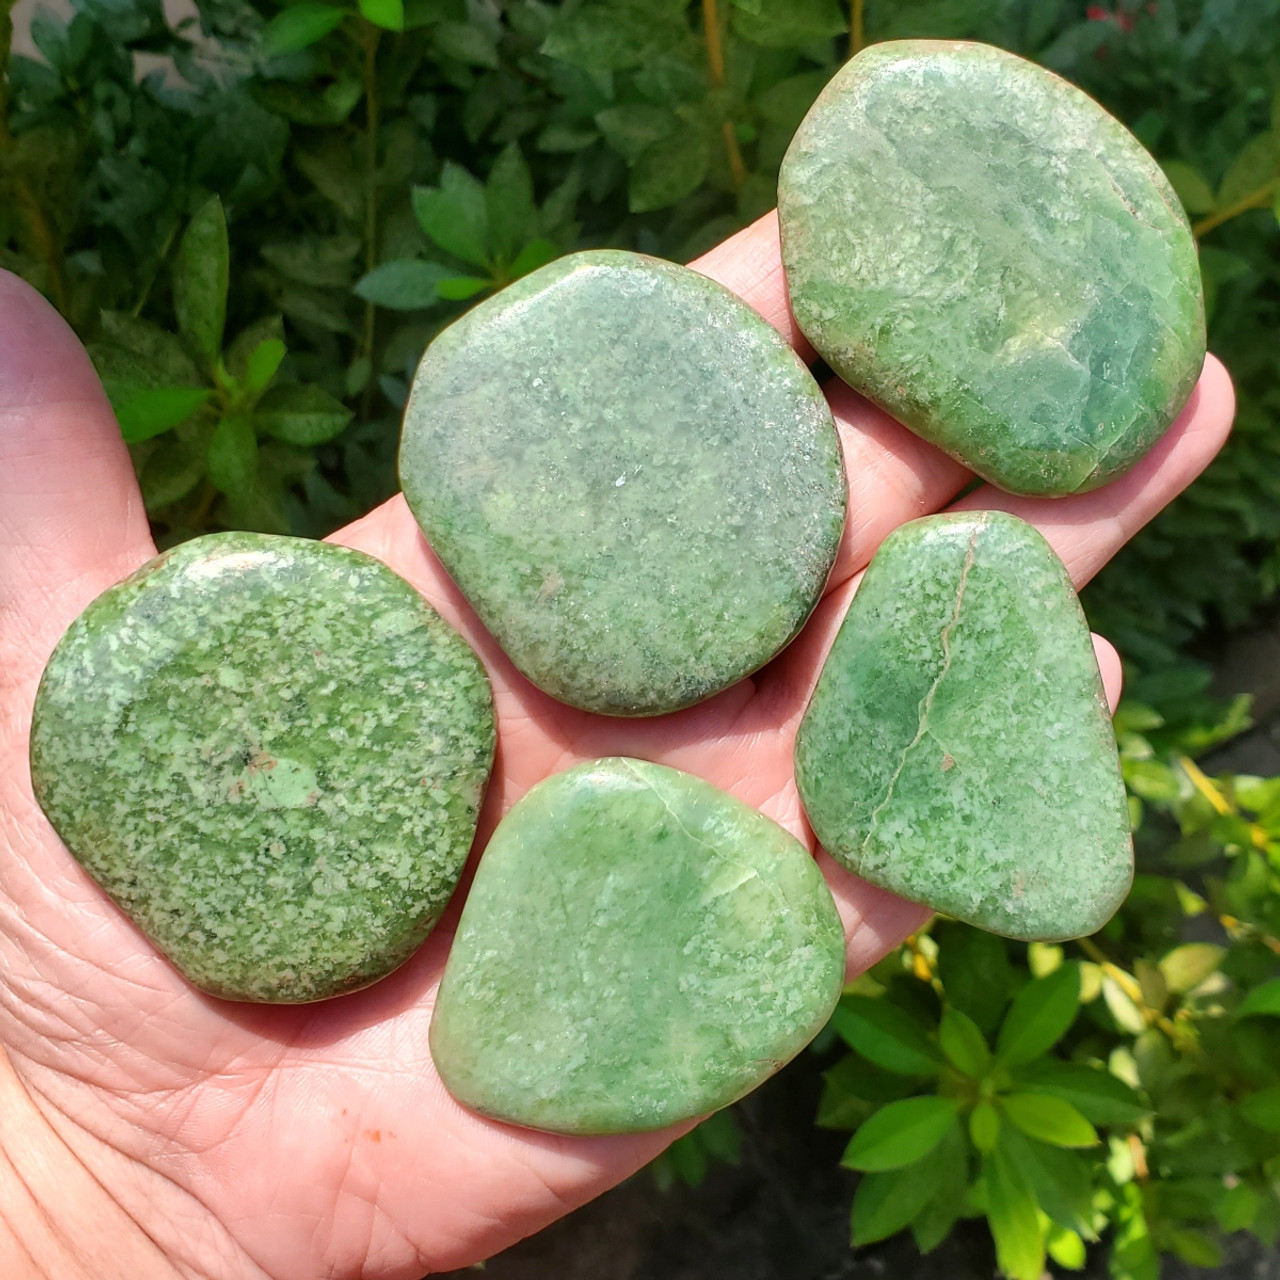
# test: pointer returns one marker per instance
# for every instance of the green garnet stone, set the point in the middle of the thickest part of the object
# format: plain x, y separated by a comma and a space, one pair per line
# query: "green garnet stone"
637, 948
981, 249
957, 749
271, 753
630, 475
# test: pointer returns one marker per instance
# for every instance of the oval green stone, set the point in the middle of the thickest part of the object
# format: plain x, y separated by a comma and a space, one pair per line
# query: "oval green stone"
631, 476
957, 749
271, 753
981, 249
637, 948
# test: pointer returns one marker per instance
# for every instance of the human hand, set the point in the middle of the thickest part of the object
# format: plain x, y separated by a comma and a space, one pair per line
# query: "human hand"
150, 1130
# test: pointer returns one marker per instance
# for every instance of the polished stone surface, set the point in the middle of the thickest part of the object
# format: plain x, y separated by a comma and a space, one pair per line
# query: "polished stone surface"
981, 249
957, 749
631, 476
271, 753
637, 948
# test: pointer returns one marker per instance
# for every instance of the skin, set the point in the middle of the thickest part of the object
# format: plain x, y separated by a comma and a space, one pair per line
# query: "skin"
151, 1131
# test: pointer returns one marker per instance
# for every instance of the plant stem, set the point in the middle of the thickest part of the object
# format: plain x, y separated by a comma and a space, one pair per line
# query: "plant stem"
715, 65
1254, 200
857, 33
372, 35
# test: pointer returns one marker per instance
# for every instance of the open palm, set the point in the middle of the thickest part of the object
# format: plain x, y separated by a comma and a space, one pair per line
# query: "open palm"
250, 1141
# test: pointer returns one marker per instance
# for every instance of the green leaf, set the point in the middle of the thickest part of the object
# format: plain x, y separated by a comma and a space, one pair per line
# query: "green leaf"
200, 280
1015, 1224
603, 37
630, 129
1122, 1007
139, 352
232, 456
852, 1087
460, 288
172, 471
1049, 1119
975, 972
301, 414
667, 171
1061, 1180
455, 214
263, 364
900, 1133
788, 24
1186, 967
1039, 1016
1237, 1207
388, 14
467, 43
984, 1126
884, 1034
1194, 192
1262, 1000
508, 195
404, 285
887, 1201
963, 1044
1257, 164
299, 26
537, 253
1096, 1094
247, 341
1066, 1248
146, 412
1196, 1248
1263, 1108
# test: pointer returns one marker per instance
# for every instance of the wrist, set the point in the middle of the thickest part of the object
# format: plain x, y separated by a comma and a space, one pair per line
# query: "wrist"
57, 1221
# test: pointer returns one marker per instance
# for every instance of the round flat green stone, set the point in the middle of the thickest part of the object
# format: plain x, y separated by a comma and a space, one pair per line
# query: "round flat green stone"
981, 249
957, 749
630, 475
637, 948
271, 753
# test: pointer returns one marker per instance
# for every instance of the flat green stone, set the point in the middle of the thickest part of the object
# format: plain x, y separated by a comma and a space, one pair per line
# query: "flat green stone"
957, 749
271, 753
981, 249
637, 948
630, 475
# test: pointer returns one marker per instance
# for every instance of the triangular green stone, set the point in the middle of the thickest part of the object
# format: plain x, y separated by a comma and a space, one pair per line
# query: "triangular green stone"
637, 948
957, 749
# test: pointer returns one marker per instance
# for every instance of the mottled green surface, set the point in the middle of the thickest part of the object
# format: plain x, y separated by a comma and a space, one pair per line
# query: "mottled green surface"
637, 948
957, 749
631, 476
977, 246
271, 753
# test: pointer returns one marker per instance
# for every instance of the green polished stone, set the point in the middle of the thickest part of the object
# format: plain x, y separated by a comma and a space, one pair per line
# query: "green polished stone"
637, 948
271, 753
981, 249
630, 475
957, 749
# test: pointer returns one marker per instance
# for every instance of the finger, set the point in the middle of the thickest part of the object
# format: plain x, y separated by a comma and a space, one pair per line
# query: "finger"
1087, 529
1112, 672
750, 265
71, 517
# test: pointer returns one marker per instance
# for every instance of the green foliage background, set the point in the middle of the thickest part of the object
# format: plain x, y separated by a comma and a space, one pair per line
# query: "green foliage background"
258, 243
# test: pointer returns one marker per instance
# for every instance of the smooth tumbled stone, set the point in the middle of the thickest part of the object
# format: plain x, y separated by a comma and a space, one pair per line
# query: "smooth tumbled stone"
633, 479
271, 753
637, 948
981, 249
957, 749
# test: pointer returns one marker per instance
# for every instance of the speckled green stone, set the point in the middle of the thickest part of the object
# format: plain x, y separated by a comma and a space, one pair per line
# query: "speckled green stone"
630, 475
957, 749
637, 948
271, 753
981, 249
